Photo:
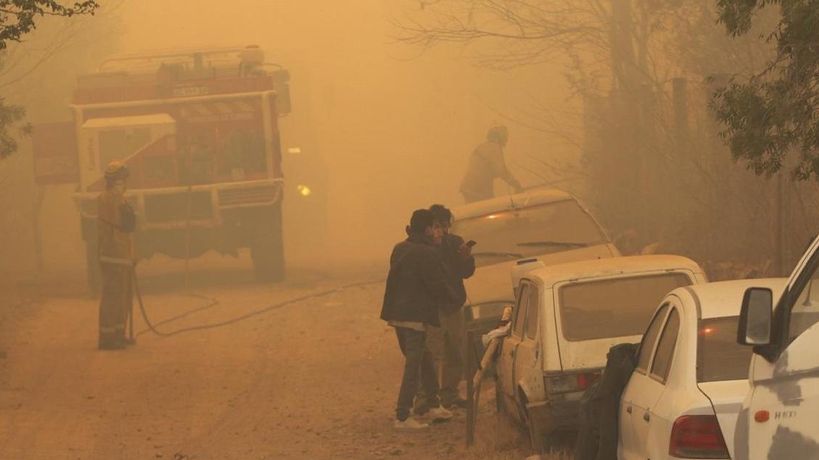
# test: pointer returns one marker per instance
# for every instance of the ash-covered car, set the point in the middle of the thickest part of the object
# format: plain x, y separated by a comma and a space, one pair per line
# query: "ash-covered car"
565, 319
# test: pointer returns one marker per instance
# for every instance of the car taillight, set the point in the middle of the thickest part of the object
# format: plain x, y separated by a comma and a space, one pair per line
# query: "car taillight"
585, 380
568, 383
697, 436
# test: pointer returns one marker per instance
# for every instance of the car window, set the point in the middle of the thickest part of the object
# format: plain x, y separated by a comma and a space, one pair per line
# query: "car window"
719, 356
665, 347
805, 312
532, 316
520, 310
614, 307
649, 339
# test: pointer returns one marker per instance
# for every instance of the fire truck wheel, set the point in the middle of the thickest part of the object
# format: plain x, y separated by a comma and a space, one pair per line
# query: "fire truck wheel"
92, 268
267, 248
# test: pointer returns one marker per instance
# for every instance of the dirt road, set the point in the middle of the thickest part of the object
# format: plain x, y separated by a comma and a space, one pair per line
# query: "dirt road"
315, 379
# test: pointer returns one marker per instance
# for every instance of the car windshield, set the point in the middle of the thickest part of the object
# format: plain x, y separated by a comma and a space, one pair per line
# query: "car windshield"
614, 307
805, 312
719, 356
524, 232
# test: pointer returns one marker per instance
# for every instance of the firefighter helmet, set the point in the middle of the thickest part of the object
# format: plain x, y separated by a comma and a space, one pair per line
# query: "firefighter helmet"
498, 134
116, 170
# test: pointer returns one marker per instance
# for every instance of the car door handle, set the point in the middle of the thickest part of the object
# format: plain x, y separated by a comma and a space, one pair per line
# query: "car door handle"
628, 409
647, 417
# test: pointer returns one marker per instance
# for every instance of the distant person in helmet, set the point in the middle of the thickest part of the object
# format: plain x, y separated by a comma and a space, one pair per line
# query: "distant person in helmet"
115, 224
486, 164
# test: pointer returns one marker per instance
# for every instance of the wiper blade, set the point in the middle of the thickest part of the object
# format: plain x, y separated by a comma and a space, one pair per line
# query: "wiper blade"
498, 254
569, 244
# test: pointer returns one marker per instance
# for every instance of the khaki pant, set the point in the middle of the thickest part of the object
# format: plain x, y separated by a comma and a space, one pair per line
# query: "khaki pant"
447, 346
115, 304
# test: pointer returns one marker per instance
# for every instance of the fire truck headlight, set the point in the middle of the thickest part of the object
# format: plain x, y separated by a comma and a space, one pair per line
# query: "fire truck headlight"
304, 190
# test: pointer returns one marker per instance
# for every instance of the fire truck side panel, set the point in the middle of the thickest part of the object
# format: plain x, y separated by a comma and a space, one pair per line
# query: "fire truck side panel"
199, 132
206, 184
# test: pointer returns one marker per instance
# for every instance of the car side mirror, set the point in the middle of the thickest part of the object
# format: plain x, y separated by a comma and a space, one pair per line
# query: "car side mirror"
756, 317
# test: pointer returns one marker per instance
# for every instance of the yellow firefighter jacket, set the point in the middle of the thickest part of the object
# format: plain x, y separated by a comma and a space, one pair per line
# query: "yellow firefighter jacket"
114, 241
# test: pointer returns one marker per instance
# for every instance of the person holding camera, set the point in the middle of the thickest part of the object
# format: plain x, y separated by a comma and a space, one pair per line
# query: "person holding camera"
460, 265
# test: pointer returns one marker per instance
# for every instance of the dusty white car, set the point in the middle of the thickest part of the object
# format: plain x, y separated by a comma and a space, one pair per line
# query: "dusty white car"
565, 319
684, 396
780, 412
549, 224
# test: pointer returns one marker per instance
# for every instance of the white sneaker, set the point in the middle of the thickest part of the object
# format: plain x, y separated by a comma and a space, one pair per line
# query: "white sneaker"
410, 424
437, 414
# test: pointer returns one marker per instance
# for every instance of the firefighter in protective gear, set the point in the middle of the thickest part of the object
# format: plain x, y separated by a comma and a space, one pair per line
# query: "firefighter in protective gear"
486, 164
115, 224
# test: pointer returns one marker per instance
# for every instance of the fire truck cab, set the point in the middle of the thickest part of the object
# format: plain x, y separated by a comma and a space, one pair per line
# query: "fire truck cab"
198, 130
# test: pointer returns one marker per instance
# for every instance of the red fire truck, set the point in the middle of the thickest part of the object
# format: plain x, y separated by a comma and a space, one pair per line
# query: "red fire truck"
199, 132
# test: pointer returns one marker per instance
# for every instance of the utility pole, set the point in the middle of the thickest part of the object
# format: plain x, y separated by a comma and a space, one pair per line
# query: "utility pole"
627, 115
779, 225
680, 102
37, 228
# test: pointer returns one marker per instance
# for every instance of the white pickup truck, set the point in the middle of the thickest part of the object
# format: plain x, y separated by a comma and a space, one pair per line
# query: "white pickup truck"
780, 415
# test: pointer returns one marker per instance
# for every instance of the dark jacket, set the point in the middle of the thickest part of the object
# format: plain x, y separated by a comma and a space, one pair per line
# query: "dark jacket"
458, 268
416, 285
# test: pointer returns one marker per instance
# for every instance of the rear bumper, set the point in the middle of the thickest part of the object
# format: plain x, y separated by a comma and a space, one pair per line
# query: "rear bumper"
549, 416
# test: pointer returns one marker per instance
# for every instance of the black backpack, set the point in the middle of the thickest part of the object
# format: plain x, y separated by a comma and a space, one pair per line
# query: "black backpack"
127, 218
599, 407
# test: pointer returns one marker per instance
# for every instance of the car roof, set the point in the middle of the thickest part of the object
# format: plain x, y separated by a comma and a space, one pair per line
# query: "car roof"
724, 298
525, 199
600, 268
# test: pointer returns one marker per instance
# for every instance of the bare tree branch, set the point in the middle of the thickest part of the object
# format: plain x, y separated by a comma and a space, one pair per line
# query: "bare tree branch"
18, 17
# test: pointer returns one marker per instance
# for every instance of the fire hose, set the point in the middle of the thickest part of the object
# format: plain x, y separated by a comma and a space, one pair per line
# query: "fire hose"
152, 327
